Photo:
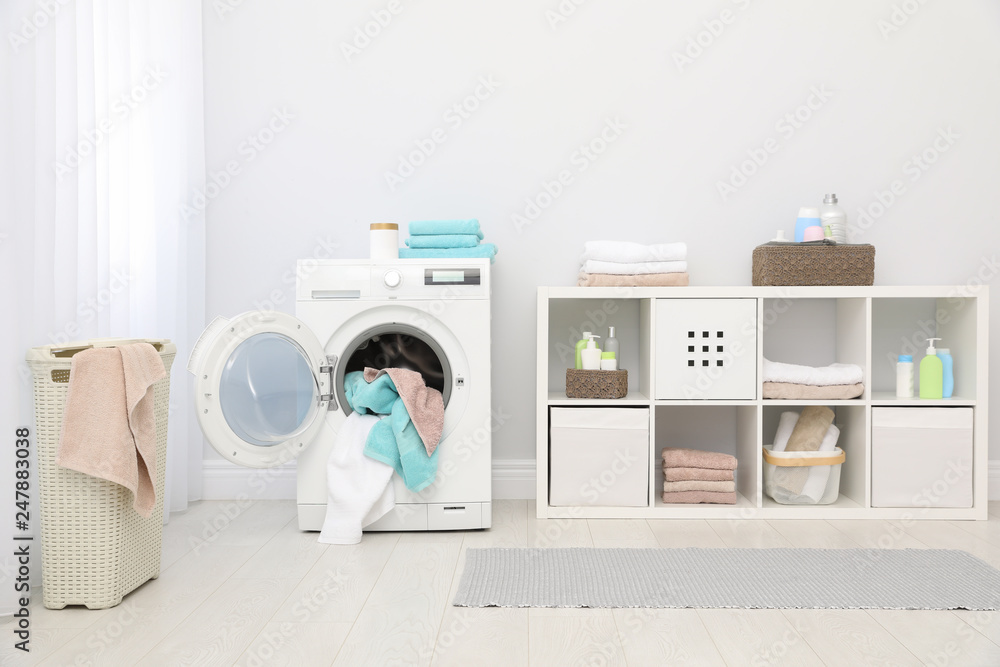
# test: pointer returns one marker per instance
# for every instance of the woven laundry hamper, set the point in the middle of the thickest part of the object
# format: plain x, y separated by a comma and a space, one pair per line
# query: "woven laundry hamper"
95, 547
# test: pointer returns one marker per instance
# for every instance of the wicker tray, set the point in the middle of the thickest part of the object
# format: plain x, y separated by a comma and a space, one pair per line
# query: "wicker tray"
596, 384
95, 547
814, 264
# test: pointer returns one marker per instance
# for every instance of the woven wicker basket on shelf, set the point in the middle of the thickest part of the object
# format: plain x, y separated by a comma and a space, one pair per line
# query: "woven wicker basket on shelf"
596, 384
814, 264
95, 547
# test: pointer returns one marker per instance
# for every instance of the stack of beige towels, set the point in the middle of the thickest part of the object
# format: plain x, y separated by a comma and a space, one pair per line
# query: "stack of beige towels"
625, 264
693, 476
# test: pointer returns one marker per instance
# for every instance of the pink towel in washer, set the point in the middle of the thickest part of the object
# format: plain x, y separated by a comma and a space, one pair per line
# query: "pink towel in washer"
424, 405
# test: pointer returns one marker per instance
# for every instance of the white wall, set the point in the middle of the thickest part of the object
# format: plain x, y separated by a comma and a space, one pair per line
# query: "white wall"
685, 129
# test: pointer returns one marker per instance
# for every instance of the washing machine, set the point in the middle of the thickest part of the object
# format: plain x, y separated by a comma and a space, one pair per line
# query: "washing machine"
270, 386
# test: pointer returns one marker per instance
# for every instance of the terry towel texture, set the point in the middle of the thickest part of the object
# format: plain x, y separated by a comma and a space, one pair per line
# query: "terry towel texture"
700, 485
628, 252
693, 458
810, 429
620, 269
638, 280
482, 250
810, 481
835, 392
695, 497
774, 371
432, 227
109, 425
395, 440
443, 241
359, 488
701, 474
424, 405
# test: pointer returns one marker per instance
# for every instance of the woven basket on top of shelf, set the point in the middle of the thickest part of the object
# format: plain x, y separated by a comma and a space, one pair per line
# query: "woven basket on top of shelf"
814, 264
95, 546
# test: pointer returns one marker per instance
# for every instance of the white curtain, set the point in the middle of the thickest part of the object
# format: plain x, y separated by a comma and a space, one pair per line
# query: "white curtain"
103, 145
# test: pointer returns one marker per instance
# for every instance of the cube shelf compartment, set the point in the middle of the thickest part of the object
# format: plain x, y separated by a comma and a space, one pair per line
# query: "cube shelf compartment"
695, 354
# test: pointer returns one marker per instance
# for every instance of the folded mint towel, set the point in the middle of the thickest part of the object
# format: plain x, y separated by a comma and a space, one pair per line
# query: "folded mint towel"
481, 250
394, 439
443, 241
426, 227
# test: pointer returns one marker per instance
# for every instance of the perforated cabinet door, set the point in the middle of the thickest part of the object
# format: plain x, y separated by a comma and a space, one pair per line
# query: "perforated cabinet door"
706, 349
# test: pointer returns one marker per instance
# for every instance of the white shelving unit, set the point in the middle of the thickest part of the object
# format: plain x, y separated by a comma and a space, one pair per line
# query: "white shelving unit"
678, 379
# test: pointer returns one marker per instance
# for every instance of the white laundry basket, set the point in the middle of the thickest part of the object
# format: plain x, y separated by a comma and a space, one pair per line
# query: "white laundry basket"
95, 546
803, 478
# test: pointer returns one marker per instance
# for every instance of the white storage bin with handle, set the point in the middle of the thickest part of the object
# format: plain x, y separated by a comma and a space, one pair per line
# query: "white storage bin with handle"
95, 547
599, 457
803, 478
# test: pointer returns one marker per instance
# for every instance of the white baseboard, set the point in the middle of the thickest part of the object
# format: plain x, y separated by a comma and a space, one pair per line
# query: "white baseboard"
512, 479
994, 481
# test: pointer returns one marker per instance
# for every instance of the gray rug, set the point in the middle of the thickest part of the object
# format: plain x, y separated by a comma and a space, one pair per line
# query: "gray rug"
729, 578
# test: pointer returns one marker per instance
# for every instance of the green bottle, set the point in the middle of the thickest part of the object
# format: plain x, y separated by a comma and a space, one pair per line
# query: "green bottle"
931, 373
580, 345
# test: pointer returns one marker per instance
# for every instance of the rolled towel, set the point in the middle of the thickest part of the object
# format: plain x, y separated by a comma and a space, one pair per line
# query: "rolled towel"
635, 268
786, 424
694, 497
443, 241
833, 392
775, 371
676, 457
640, 280
699, 485
626, 251
809, 431
703, 474
481, 250
428, 227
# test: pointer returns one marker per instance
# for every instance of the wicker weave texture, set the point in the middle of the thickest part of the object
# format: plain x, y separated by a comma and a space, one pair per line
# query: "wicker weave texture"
794, 264
95, 547
596, 384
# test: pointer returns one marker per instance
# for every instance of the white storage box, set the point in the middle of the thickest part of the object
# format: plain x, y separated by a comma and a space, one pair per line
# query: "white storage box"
706, 349
599, 457
922, 457
802, 478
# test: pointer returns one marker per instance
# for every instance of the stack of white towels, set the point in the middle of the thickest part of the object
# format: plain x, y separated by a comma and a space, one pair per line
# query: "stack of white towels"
625, 264
791, 381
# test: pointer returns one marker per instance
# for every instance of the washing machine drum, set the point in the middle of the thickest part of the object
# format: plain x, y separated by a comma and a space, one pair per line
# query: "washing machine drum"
397, 346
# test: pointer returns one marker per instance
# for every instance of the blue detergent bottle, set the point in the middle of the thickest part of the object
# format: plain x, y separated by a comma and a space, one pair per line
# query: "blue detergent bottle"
948, 372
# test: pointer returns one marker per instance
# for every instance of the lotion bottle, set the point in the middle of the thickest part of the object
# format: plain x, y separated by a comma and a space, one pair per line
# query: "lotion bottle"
591, 355
611, 343
947, 371
580, 344
931, 373
904, 376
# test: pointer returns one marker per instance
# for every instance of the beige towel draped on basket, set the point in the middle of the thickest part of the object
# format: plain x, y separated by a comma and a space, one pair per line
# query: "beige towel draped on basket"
95, 547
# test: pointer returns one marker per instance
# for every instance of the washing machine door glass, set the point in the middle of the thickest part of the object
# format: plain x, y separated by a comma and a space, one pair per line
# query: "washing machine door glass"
262, 387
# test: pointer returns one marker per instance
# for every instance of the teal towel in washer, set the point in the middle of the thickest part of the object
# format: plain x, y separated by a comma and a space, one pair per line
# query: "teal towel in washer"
482, 250
394, 439
427, 227
443, 241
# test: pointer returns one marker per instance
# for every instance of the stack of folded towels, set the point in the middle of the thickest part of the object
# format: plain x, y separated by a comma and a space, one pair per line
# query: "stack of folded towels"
620, 263
693, 476
790, 381
438, 239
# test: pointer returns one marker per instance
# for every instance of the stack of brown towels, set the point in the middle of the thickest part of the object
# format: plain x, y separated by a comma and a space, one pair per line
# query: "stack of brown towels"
693, 476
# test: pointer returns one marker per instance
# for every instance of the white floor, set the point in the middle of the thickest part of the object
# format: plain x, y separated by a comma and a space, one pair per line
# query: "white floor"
241, 585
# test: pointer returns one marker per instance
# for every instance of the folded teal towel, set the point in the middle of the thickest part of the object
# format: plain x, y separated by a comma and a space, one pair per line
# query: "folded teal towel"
443, 241
426, 227
393, 440
481, 250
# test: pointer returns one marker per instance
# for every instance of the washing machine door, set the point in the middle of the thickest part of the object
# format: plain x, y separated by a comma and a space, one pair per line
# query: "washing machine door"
262, 383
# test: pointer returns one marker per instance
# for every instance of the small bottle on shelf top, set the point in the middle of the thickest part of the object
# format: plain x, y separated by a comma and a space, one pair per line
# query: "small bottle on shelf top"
904, 376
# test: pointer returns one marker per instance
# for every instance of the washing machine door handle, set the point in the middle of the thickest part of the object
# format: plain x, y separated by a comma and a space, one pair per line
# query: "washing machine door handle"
330, 368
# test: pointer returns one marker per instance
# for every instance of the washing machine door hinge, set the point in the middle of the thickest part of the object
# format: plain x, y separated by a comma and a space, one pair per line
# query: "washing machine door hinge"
330, 368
